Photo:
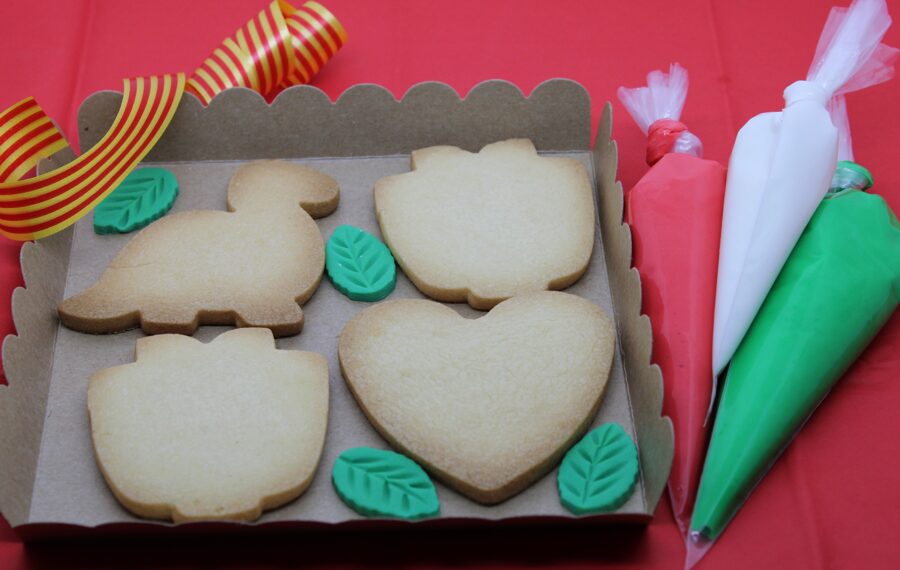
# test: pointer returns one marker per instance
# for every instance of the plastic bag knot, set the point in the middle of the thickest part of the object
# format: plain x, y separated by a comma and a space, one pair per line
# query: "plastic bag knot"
668, 135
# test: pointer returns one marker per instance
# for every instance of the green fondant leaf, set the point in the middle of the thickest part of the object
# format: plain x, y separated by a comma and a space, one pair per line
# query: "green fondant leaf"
143, 197
599, 473
374, 482
359, 265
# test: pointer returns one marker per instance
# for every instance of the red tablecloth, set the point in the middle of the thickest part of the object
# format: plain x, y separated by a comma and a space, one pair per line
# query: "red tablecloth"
833, 500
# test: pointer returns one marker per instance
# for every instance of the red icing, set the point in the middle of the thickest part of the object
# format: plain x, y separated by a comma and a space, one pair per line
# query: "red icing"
675, 213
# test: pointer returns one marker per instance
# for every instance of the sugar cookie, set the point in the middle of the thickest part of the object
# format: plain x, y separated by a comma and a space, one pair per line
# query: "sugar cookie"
218, 431
483, 227
486, 405
250, 266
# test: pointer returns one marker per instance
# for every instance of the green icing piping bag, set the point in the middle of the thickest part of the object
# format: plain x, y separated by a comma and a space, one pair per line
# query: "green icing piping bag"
839, 286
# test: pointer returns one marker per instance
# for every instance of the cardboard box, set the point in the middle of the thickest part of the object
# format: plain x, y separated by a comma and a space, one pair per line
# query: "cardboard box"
50, 480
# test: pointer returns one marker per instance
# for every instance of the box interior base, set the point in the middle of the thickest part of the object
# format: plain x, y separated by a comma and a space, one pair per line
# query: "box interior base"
69, 488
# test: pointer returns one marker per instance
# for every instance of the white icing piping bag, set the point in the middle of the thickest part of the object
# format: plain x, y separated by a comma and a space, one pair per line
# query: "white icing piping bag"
781, 168
837, 109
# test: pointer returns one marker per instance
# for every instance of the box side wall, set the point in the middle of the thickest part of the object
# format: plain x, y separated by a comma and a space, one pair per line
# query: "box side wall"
365, 121
645, 383
27, 361
393, 530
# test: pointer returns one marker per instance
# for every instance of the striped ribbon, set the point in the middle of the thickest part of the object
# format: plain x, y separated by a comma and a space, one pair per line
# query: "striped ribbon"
43, 205
280, 47
26, 136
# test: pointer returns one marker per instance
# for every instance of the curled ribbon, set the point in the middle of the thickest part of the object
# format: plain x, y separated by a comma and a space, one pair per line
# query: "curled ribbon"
280, 47
26, 135
43, 205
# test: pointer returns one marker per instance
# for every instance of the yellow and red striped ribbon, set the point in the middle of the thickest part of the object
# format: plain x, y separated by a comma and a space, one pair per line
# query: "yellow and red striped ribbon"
26, 136
43, 205
280, 47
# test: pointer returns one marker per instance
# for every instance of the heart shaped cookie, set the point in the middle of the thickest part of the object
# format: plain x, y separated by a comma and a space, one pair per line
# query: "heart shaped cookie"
487, 405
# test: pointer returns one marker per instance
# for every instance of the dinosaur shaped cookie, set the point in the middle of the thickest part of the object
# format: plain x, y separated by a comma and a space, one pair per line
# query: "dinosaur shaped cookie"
251, 266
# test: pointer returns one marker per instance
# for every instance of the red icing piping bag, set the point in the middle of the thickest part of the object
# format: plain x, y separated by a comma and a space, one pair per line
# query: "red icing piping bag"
675, 214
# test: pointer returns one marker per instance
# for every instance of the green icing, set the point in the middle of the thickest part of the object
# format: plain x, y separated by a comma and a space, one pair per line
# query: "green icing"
143, 197
359, 265
839, 286
599, 473
378, 483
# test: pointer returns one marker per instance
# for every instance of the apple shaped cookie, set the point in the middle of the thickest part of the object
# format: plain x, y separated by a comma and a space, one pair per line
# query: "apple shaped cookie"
250, 266
487, 405
218, 431
483, 227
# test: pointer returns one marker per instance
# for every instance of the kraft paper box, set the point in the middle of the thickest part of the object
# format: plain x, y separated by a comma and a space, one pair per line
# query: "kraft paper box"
50, 482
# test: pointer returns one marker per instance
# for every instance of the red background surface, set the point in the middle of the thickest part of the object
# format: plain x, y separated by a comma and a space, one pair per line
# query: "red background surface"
832, 500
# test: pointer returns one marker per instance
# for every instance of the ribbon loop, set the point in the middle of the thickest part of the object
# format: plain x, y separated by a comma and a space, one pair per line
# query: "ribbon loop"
26, 135
280, 47
43, 205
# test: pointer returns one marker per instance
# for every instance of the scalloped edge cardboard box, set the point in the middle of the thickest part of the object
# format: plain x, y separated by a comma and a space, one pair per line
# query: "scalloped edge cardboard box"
50, 483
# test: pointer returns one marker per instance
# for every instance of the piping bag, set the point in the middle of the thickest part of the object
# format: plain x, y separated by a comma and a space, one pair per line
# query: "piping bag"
675, 214
839, 286
781, 168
